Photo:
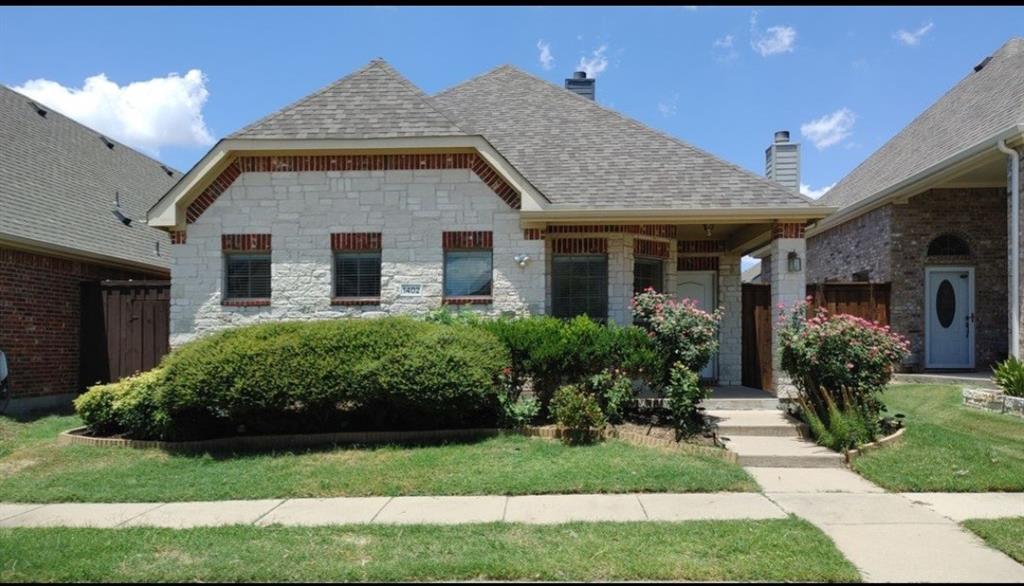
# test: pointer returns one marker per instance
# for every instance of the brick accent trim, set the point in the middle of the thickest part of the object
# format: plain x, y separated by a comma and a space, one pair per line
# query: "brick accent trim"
178, 236
655, 248
700, 246
355, 241
390, 162
245, 302
244, 242
355, 301
468, 300
787, 230
656, 230
579, 246
471, 240
533, 234
697, 263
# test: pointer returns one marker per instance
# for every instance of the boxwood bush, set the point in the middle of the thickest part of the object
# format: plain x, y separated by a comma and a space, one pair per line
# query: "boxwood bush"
388, 373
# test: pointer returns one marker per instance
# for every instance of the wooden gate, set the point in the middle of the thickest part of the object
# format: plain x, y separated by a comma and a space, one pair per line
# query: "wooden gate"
757, 336
866, 300
124, 329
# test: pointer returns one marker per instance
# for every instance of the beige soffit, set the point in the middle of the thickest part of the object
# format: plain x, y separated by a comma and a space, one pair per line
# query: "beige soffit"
926, 179
169, 212
75, 254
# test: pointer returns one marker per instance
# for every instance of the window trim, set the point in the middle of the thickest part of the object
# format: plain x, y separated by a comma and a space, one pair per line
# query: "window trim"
607, 281
337, 299
229, 301
466, 299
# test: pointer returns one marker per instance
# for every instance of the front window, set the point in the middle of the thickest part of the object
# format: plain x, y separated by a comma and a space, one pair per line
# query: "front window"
357, 274
579, 286
467, 273
648, 272
247, 275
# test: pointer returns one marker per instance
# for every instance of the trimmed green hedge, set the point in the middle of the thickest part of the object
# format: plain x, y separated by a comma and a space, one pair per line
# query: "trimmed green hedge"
392, 372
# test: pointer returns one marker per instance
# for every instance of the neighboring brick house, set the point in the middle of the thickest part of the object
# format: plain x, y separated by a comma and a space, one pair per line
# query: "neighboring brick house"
931, 212
504, 194
58, 183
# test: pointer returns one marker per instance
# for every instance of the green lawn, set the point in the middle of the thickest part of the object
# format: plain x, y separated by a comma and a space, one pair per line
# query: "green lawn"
776, 550
34, 468
947, 447
1006, 535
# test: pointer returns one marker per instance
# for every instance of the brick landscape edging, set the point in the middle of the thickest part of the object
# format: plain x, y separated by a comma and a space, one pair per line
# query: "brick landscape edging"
890, 439
75, 436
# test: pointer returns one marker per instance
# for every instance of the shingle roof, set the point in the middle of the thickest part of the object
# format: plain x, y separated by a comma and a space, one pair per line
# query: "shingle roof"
373, 102
979, 106
58, 180
578, 153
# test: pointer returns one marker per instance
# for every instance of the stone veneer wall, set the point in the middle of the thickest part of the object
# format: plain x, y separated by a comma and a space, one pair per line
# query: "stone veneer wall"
976, 215
301, 209
862, 244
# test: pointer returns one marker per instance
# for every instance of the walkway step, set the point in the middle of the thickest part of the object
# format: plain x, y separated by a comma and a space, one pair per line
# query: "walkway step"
740, 404
761, 422
781, 452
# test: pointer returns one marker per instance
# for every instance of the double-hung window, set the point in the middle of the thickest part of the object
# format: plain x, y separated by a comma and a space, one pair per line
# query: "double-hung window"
468, 267
357, 268
649, 265
579, 278
246, 269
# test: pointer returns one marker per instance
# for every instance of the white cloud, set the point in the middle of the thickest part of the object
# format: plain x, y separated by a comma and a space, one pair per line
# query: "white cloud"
147, 115
815, 193
667, 108
830, 129
773, 41
913, 38
723, 43
547, 60
596, 63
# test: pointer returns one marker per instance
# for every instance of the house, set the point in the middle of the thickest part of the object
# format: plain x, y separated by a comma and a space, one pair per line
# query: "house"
503, 194
58, 184
935, 212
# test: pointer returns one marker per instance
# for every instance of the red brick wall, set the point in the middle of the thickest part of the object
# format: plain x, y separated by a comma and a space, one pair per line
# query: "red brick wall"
39, 318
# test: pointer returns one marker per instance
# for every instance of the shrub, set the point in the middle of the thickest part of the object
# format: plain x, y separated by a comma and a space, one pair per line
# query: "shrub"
682, 332
519, 412
290, 376
578, 415
1009, 375
827, 355
613, 391
685, 393
842, 425
128, 406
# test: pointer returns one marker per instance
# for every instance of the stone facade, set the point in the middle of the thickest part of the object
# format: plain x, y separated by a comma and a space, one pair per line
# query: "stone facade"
788, 289
300, 210
892, 243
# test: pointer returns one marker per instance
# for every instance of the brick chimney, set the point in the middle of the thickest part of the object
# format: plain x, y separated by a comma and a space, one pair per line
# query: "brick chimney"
580, 84
782, 161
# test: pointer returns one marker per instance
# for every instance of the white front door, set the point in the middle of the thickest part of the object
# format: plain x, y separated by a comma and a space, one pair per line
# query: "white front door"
700, 286
949, 317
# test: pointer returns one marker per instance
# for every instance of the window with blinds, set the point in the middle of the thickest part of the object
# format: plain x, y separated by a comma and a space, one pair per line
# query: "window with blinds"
357, 274
247, 275
467, 273
579, 286
648, 272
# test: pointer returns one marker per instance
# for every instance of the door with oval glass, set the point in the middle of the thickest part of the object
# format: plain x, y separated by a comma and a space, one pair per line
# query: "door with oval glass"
700, 286
949, 317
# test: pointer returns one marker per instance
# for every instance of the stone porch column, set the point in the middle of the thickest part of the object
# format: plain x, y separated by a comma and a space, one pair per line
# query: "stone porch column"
730, 333
1019, 285
788, 289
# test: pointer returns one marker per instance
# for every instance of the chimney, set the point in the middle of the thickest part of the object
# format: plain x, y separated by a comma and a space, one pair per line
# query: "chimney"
782, 161
580, 84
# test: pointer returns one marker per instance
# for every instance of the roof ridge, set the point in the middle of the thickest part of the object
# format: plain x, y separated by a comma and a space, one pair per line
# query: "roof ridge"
451, 88
665, 135
51, 109
390, 70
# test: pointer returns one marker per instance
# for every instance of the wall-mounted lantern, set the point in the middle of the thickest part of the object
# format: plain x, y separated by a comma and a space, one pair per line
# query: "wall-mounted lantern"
522, 260
794, 262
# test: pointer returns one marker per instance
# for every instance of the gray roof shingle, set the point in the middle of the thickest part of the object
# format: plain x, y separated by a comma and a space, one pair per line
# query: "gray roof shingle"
58, 180
981, 105
373, 102
580, 154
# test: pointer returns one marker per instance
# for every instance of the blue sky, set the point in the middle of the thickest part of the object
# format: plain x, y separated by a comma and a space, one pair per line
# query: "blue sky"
842, 80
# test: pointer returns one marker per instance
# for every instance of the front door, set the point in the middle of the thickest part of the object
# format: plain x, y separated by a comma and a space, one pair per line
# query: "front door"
700, 286
949, 317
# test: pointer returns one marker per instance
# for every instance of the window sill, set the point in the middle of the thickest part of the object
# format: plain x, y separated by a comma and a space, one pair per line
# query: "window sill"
245, 302
468, 300
355, 301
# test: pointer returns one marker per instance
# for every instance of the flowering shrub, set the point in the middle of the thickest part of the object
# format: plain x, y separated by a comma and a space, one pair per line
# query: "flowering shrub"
681, 331
685, 393
613, 390
839, 355
578, 414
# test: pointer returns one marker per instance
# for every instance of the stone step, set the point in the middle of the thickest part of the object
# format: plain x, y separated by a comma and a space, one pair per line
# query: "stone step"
740, 404
781, 452
768, 422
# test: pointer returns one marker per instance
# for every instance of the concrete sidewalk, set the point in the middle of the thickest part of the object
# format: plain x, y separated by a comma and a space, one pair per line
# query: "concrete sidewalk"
534, 509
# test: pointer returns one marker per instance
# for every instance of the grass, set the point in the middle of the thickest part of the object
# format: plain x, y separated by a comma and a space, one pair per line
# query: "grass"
34, 468
775, 550
1006, 535
947, 447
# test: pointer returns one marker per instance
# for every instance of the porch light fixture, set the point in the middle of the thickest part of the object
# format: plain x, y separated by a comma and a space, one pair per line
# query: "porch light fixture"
522, 260
707, 229
793, 262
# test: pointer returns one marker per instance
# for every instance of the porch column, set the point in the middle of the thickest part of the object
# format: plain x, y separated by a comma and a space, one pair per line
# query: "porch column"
788, 289
1019, 285
730, 334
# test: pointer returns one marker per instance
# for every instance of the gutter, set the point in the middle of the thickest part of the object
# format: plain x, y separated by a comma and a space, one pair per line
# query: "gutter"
1014, 158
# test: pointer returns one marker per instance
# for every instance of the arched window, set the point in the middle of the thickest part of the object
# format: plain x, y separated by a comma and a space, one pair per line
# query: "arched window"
948, 245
